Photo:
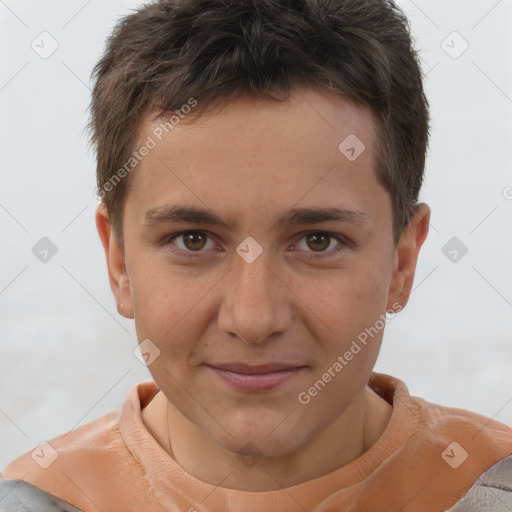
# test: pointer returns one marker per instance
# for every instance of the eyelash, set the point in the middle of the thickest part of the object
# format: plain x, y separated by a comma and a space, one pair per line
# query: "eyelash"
311, 256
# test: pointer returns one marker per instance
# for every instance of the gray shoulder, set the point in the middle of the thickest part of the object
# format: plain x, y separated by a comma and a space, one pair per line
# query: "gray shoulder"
20, 496
492, 492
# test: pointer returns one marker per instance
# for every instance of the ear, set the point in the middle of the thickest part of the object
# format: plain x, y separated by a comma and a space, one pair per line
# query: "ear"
406, 257
117, 274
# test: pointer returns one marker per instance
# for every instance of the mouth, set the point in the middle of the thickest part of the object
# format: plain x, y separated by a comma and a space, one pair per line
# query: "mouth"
259, 378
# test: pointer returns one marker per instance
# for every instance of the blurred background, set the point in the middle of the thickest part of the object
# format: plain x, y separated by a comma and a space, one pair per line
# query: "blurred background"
67, 357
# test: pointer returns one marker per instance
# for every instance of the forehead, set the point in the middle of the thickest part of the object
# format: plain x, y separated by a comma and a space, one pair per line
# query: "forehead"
314, 145
314, 113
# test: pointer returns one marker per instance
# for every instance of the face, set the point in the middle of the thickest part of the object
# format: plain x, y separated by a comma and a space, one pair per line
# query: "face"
263, 294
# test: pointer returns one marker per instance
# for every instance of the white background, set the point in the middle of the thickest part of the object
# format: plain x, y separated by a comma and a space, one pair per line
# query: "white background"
66, 356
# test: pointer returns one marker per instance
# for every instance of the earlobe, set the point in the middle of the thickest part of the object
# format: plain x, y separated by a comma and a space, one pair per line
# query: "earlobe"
406, 257
116, 263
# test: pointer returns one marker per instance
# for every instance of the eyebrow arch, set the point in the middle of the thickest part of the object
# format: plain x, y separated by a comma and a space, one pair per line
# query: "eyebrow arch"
294, 216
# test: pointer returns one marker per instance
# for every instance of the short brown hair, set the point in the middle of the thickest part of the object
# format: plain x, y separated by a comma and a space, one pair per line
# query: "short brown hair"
169, 51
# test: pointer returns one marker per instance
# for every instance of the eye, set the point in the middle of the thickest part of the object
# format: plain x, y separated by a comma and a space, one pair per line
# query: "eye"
191, 242
320, 241
186, 243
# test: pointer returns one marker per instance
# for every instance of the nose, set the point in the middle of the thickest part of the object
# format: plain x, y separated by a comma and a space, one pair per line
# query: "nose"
256, 302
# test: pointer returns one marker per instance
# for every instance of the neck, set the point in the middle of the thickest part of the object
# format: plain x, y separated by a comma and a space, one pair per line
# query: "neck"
352, 434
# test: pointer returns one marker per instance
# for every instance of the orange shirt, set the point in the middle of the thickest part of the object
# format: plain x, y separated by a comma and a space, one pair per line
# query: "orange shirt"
426, 460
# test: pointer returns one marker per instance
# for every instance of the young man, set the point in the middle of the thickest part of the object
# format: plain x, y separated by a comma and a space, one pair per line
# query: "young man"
259, 165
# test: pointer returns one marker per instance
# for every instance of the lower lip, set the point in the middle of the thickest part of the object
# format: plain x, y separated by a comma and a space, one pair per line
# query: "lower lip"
256, 382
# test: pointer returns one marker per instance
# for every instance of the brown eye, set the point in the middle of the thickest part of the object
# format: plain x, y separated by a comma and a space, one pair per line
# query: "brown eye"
186, 243
318, 244
194, 241
318, 241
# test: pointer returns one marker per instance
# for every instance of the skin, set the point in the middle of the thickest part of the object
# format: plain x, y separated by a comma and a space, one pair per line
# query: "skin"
249, 162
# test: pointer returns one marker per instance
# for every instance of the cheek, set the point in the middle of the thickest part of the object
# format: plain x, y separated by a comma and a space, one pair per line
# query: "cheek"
169, 307
154, 297
351, 301
353, 307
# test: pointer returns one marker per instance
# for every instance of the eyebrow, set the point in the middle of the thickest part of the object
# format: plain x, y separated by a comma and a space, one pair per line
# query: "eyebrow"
294, 216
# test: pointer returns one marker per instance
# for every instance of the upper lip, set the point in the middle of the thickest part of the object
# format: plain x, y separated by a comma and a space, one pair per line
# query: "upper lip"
256, 369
